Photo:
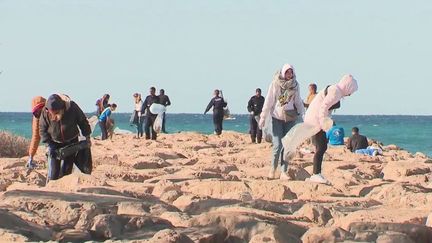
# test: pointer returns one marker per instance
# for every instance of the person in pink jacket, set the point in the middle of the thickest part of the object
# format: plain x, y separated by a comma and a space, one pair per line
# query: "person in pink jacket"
282, 108
318, 116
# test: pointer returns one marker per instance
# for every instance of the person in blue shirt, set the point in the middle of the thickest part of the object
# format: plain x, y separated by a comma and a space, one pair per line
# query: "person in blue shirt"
335, 135
104, 119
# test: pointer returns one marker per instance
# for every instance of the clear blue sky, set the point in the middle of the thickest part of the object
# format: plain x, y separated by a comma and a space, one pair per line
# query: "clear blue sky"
88, 48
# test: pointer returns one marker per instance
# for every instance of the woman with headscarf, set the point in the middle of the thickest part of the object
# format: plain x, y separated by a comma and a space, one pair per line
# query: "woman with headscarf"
282, 107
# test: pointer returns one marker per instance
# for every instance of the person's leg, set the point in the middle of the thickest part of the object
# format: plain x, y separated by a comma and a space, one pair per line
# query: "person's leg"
67, 165
320, 142
53, 167
277, 130
153, 132
140, 127
104, 131
215, 123
147, 127
286, 127
163, 122
259, 134
253, 128
219, 124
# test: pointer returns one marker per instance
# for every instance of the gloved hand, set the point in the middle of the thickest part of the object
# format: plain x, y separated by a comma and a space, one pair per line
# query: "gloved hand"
30, 163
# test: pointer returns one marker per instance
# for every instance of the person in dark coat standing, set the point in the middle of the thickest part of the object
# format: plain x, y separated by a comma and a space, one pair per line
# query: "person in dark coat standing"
165, 101
255, 106
218, 105
150, 117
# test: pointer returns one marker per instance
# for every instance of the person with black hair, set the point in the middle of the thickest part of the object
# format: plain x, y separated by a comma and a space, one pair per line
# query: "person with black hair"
255, 106
165, 101
105, 120
60, 124
150, 117
218, 103
357, 141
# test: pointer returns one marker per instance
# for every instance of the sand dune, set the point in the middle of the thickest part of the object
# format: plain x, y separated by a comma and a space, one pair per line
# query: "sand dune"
189, 187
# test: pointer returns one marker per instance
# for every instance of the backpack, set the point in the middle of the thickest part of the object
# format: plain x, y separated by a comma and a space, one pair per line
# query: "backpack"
335, 106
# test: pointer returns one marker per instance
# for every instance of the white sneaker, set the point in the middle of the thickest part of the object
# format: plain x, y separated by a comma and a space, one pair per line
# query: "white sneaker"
284, 176
271, 174
318, 178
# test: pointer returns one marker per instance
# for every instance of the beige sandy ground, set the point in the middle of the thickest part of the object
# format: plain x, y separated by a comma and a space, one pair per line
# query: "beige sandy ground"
189, 187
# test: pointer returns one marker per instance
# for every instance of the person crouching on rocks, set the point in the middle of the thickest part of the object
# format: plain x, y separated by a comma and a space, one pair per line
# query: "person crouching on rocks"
60, 124
318, 115
283, 105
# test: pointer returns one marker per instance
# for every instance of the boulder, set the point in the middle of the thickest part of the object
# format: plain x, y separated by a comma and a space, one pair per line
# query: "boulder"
332, 234
399, 170
314, 213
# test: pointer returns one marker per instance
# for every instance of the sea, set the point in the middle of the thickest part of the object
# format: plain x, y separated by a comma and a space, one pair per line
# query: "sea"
412, 133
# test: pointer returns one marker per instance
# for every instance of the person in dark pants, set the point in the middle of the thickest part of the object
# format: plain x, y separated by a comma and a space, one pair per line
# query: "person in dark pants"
150, 117
165, 101
218, 105
357, 141
255, 106
105, 118
318, 116
60, 124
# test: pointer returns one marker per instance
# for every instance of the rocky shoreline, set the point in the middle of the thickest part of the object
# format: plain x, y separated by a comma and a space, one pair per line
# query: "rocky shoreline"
189, 187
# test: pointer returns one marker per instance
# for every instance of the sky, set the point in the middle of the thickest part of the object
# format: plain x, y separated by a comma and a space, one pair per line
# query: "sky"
191, 47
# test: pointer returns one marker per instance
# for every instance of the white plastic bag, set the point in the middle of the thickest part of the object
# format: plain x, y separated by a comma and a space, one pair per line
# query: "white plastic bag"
296, 136
157, 126
268, 129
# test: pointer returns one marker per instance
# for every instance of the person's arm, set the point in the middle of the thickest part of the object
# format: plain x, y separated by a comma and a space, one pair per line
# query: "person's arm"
35, 140
250, 105
43, 128
209, 106
269, 103
145, 103
299, 103
81, 120
224, 103
349, 144
332, 97
168, 103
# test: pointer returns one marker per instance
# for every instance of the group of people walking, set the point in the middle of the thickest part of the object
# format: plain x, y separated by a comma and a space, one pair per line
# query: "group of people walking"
58, 120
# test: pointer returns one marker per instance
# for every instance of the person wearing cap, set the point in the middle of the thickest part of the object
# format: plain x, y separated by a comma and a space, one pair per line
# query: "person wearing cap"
60, 124
105, 120
165, 101
254, 107
38, 103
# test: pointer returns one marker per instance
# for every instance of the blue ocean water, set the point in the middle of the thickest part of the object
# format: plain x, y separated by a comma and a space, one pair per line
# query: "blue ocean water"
412, 133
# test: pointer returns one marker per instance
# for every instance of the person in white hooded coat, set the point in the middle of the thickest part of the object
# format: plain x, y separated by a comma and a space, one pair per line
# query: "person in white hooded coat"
318, 117
283, 105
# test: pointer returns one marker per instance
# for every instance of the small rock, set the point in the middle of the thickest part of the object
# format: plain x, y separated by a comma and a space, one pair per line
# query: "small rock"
429, 220
170, 236
170, 196
4, 184
164, 186
315, 213
326, 235
394, 237
132, 208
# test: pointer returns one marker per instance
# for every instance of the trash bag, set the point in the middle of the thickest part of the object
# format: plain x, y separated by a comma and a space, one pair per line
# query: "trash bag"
296, 136
93, 121
268, 129
157, 126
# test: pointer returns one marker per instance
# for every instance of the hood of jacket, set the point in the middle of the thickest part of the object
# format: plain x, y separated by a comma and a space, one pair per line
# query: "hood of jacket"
37, 103
347, 85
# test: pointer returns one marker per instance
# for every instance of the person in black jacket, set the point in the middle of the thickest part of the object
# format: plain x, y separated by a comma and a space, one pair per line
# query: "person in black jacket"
165, 101
357, 141
254, 107
150, 117
218, 105
59, 123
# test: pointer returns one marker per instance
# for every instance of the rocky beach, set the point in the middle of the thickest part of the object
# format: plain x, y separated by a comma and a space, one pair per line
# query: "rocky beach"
189, 187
